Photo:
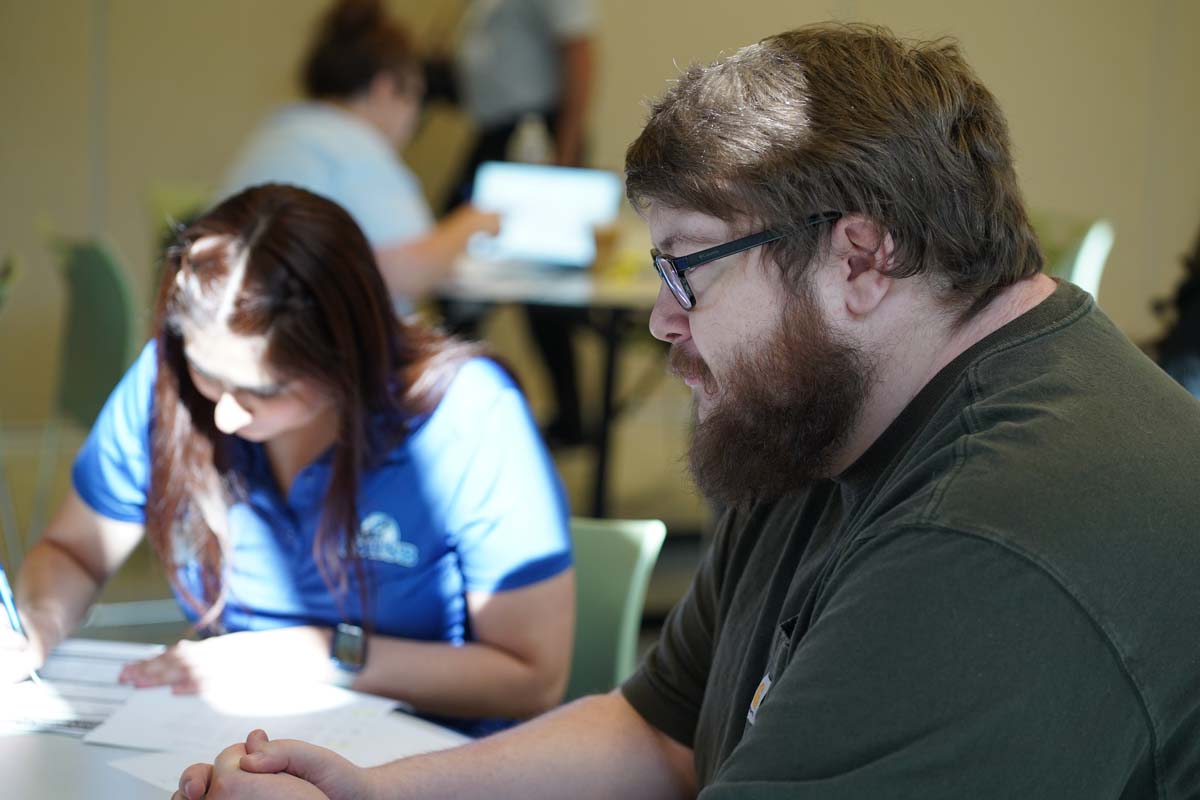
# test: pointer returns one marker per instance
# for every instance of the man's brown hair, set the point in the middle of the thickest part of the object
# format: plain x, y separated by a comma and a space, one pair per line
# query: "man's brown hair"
846, 118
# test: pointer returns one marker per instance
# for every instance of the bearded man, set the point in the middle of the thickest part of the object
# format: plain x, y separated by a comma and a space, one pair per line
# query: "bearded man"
961, 553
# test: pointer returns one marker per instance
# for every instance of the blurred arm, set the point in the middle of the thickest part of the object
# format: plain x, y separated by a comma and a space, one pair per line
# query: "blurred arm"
65, 570
415, 268
516, 667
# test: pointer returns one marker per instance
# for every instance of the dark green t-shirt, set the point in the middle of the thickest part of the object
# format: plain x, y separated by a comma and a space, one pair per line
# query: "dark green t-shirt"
1001, 598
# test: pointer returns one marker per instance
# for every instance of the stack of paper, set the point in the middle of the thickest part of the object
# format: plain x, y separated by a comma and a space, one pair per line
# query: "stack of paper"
362, 728
79, 695
79, 689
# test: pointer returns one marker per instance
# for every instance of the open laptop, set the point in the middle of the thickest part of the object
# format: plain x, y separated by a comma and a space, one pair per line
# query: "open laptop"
548, 213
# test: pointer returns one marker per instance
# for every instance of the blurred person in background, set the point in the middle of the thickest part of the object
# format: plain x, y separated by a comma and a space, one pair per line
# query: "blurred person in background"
364, 88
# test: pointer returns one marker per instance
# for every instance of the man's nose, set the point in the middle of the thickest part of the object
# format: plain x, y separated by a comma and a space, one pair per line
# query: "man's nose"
668, 320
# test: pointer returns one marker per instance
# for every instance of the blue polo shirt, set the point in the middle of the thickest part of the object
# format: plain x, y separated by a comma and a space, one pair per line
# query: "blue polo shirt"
468, 502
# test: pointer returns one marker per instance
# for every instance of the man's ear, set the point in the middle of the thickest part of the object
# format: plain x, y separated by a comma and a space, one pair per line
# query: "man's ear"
866, 258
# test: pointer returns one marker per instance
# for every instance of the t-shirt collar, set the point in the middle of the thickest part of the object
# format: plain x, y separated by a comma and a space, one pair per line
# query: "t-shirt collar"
1064, 304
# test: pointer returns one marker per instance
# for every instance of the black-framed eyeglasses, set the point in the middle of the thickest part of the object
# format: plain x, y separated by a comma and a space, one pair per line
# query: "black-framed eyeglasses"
671, 268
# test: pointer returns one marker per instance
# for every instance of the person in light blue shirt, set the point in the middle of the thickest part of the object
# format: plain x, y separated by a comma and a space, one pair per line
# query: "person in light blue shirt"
303, 461
334, 152
364, 91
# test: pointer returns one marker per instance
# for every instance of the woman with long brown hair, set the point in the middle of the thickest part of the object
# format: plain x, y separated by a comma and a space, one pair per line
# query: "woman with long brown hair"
318, 477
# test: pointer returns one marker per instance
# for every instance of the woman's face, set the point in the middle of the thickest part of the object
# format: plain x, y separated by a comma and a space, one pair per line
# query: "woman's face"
399, 104
250, 400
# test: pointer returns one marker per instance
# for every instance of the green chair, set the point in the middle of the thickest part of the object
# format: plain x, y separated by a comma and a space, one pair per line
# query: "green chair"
613, 561
99, 342
100, 339
1075, 250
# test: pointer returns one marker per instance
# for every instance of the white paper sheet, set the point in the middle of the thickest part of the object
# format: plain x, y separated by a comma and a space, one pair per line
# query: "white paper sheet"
94, 661
387, 738
78, 691
361, 727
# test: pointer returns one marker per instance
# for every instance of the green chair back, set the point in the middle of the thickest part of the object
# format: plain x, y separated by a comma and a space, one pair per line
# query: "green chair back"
613, 561
98, 341
1075, 250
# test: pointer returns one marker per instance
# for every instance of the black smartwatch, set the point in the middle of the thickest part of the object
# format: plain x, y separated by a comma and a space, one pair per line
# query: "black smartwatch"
348, 652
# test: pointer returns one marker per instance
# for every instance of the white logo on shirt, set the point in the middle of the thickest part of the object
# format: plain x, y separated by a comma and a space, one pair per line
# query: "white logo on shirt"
379, 540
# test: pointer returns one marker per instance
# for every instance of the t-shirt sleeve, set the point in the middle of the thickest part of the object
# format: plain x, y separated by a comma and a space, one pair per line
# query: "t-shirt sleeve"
272, 158
385, 199
508, 515
668, 687
326, 157
569, 19
928, 660
112, 470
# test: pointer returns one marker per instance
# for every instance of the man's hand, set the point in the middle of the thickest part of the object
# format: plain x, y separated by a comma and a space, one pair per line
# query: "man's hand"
264, 769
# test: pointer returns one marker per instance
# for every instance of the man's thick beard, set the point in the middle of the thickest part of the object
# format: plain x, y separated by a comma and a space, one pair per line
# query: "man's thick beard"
786, 411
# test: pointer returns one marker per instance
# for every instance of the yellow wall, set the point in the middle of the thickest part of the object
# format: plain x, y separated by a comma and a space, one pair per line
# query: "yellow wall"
103, 100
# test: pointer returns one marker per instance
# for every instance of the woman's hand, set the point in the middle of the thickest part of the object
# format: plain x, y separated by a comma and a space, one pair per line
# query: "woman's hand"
18, 657
184, 666
188, 666
263, 769
470, 220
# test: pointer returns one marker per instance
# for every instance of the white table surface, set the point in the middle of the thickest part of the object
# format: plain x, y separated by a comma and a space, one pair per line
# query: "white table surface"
50, 766
59, 766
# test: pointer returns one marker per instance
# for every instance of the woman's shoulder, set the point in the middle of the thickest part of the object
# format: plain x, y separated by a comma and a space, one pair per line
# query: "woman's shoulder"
142, 373
478, 385
316, 126
480, 396
482, 372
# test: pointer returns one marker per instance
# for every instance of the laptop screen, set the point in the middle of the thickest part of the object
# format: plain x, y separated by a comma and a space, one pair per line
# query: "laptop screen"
548, 213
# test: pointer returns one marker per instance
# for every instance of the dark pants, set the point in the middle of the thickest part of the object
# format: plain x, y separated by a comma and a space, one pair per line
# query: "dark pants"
551, 328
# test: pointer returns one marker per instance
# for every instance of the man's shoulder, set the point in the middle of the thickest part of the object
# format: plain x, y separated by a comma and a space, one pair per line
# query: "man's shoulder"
1076, 428
1071, 456
1063, 424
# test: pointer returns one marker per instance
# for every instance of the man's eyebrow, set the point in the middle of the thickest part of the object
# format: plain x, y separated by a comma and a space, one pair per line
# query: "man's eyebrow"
700, 241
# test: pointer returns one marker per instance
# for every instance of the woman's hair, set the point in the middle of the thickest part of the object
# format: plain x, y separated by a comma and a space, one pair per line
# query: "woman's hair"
354, 42
304, 278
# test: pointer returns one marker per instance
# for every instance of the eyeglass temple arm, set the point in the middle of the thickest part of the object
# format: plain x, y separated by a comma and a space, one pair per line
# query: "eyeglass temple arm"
720, 251
683, 263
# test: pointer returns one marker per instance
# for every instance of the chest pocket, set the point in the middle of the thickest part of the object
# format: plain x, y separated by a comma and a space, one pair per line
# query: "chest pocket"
379, 540
777, 660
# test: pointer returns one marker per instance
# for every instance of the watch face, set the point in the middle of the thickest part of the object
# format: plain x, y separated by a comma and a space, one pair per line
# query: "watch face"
349, 647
